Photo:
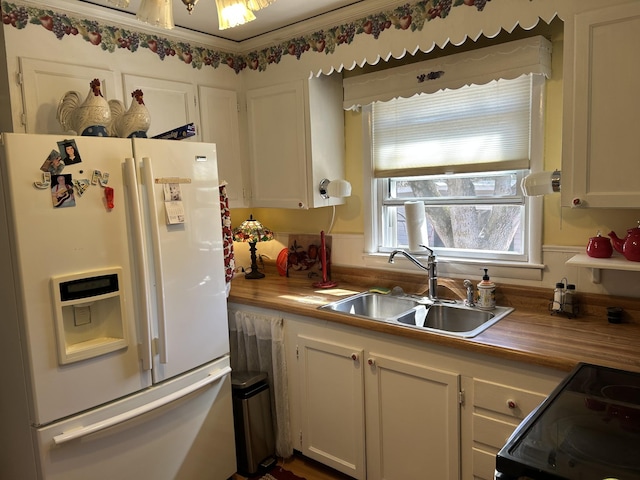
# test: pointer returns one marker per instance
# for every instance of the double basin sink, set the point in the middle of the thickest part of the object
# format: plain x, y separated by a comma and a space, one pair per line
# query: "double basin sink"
446, 316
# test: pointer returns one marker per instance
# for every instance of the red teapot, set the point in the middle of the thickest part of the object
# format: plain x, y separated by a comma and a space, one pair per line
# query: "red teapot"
599, 247
628, 246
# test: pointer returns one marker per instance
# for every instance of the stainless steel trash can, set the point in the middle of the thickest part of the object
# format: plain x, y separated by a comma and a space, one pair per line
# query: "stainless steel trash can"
255, 442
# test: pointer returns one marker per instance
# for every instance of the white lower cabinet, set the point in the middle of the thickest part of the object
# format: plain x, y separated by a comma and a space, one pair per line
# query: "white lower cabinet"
373, 410
413, 419
331, 405
494, 410
377, 406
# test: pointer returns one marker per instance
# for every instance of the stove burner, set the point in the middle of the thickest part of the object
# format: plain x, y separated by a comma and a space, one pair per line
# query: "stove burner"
622, 393
587, 439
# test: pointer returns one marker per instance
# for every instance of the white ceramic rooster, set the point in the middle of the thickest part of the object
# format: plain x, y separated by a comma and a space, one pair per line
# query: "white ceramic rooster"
131, 123
90, 118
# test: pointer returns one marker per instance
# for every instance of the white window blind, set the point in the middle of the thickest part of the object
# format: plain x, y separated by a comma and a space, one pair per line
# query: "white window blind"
475, 128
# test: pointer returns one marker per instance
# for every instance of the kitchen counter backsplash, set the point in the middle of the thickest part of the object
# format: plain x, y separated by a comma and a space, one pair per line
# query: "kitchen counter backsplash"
531, 299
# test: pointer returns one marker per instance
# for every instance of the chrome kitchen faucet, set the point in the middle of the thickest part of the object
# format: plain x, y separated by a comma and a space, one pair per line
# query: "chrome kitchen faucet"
430, 267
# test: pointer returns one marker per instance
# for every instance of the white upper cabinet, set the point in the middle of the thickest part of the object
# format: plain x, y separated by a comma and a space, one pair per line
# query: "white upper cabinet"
601, 146
296, 135
219, 116
171, 103
44, 83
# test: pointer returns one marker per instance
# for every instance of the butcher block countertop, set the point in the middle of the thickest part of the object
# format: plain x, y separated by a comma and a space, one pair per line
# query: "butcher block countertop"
530, 334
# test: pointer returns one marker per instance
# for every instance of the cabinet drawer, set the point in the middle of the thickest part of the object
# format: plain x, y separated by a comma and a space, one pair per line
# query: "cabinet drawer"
505, 400
491, 432
484, 464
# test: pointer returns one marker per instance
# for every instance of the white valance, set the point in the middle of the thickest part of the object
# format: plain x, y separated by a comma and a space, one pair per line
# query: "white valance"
508, 60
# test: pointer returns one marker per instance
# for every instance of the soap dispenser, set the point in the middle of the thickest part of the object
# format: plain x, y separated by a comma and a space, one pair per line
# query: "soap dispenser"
486, 293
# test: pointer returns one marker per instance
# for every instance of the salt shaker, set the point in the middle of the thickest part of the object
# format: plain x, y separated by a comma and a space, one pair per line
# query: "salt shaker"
558, 297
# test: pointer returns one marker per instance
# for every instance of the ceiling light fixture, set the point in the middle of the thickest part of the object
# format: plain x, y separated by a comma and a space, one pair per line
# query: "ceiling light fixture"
232, 13
190, 4
156, 12
256, 5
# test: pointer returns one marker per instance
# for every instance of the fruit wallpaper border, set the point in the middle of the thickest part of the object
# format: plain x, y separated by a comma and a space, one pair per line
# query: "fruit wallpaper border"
410, 17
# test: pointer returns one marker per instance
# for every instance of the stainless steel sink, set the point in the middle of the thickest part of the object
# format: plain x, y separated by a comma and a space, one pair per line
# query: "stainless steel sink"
372, 305
456, 319
451, 318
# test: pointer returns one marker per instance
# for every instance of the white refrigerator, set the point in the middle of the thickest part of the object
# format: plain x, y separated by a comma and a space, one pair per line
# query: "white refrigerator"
113, 327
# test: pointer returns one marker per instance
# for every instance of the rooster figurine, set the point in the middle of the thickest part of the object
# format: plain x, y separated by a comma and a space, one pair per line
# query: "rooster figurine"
90, 118
131, 123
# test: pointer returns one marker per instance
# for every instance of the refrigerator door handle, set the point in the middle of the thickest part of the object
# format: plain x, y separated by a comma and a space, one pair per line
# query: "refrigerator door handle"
157, 258
136, 412
140, 262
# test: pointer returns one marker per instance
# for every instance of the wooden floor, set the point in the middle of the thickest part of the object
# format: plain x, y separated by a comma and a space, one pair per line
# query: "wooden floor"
306, 468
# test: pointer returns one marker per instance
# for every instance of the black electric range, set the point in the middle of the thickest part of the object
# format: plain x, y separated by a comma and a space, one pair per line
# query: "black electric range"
587, 429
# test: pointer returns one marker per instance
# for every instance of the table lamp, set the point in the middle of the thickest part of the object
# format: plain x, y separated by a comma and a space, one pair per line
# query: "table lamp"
252, 231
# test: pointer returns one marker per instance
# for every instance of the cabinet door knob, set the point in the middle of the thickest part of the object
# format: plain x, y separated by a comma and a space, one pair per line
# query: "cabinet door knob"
371, 361
354, 357
512, 404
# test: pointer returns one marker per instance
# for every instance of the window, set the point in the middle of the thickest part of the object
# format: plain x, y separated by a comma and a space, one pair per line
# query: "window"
463, 153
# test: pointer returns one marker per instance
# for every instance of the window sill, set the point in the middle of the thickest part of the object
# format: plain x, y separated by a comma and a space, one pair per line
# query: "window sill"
459, 268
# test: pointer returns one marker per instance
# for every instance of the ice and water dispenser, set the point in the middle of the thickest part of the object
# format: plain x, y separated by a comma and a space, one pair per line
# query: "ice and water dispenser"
89, 314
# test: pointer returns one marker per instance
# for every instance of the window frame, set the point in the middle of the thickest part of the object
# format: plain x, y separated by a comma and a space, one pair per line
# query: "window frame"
373, 194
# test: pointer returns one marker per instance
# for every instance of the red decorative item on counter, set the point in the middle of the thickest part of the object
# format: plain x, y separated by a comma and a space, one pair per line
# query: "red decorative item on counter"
628, 246
282, 263
599, 247
325, 283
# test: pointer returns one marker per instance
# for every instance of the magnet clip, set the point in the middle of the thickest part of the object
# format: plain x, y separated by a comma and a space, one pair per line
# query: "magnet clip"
108, 194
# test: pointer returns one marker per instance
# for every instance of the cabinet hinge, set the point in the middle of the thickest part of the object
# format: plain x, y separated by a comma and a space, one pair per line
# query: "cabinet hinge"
300, 444
461, 397
238, 106
154, 346
19, 78
23, 119
297, 354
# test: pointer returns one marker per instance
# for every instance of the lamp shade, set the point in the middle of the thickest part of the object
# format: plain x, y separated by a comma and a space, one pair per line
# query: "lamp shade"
252, 231
156, 12
256, 5
232, 13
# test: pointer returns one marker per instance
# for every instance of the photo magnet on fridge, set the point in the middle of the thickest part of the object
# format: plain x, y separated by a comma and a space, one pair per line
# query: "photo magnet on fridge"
53, 164
62, 191
70, 153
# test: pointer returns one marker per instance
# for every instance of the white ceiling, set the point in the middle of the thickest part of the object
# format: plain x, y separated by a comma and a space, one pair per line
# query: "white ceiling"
280, 14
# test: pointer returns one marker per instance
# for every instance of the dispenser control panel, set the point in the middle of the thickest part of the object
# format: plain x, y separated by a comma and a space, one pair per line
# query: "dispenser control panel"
88, 287
89, 314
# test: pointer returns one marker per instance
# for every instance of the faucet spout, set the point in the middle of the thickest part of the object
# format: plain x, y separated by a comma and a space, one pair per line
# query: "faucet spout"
469, 301
430, 267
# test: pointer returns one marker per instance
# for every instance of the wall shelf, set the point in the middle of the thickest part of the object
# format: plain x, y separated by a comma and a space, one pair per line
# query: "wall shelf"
616, 262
